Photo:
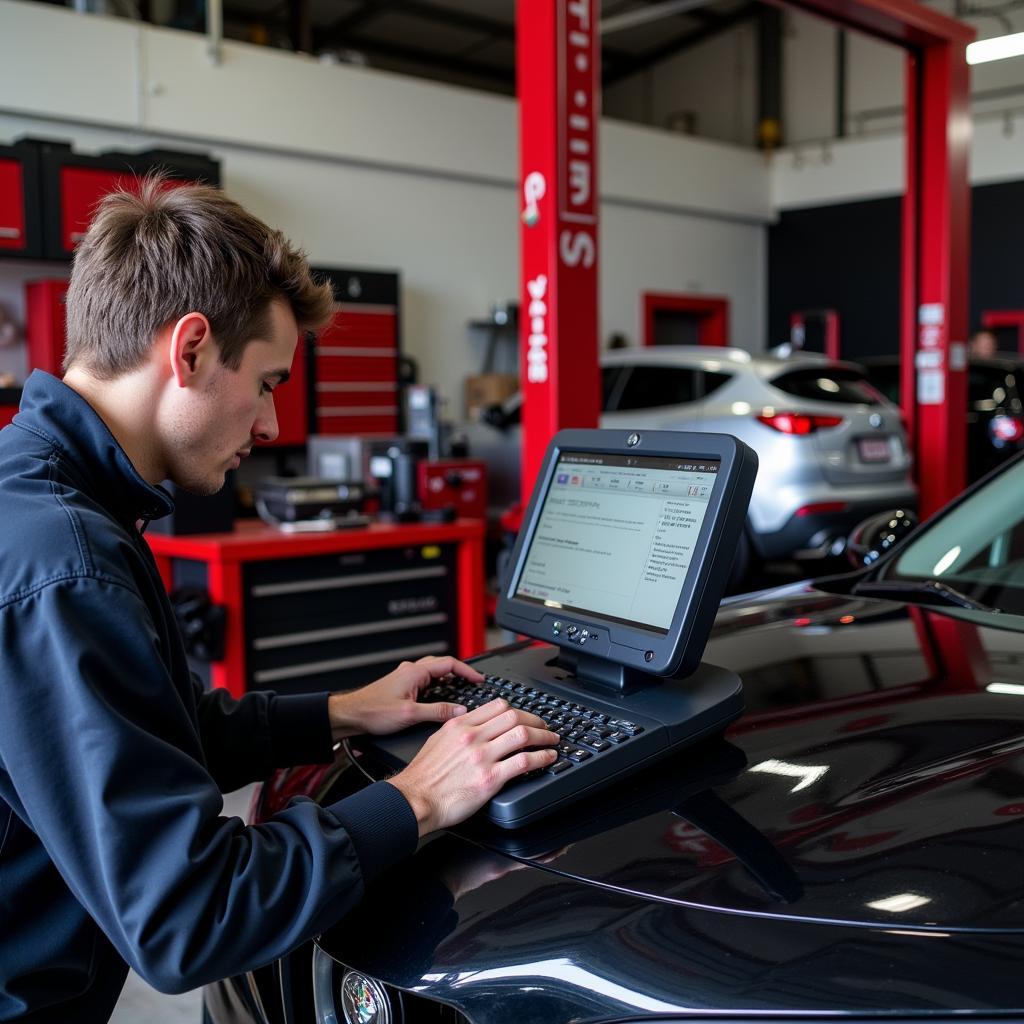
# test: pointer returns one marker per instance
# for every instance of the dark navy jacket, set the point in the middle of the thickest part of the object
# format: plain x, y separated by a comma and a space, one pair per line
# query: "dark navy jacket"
112, 760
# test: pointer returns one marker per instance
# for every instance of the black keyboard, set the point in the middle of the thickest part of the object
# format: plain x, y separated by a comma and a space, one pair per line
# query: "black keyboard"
602, 739
587, 732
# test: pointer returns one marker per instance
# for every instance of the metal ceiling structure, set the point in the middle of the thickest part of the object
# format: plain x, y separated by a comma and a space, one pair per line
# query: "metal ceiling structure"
472, 42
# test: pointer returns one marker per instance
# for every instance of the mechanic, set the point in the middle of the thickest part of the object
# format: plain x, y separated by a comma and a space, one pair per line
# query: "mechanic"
983, 344
183, 313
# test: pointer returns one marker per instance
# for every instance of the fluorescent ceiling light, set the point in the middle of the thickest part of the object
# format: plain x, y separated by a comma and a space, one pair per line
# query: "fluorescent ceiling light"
996, 49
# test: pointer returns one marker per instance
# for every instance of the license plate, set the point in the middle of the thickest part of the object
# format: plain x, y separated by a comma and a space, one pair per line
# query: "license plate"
873, 449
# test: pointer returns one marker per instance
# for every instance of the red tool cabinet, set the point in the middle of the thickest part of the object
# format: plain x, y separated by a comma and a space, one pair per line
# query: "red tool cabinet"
311, 612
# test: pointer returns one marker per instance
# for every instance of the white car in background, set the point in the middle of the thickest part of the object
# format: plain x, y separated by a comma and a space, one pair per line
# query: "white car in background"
832, 449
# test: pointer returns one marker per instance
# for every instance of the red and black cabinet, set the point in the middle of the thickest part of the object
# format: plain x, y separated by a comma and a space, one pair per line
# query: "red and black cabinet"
20, 204
74, 183
353, 364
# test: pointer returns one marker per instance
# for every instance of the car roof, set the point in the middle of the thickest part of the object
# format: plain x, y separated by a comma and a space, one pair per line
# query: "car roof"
714, 359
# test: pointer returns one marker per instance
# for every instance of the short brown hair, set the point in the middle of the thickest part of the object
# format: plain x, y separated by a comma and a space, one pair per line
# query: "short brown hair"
152, 255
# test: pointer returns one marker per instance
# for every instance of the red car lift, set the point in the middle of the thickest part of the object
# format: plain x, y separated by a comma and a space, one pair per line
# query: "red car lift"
559, 106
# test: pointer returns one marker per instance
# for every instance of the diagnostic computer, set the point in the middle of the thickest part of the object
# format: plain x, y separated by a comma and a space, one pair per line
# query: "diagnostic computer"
616, 577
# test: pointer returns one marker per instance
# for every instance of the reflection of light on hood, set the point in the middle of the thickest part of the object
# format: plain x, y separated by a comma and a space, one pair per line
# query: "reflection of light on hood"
808, 774
946, 560
898, 904
579, 977
1013, 688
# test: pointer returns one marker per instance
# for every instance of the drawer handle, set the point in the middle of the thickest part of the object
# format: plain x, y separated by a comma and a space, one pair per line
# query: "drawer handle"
356, 410
340, 582
315, 636
10, 232
392, 655
353, 350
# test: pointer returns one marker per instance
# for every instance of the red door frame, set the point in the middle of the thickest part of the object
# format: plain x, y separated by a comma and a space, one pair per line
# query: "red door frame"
798, 328
557, 62
712, 310
993, 319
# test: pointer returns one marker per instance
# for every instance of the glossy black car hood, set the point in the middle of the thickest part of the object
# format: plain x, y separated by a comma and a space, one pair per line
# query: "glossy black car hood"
877, 778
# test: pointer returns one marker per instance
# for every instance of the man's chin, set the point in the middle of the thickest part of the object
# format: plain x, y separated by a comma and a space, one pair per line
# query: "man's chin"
203, 488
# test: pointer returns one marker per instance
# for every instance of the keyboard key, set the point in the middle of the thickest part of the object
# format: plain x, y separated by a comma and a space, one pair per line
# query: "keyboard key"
558, 767
618, 737
579, 754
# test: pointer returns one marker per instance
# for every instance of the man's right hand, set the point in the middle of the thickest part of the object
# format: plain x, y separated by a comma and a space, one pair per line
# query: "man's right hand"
464, 763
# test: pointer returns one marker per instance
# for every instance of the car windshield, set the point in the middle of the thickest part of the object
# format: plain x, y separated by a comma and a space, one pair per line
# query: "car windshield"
977, 547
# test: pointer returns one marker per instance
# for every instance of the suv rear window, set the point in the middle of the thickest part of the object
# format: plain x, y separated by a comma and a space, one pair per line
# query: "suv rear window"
828, 384
649, 387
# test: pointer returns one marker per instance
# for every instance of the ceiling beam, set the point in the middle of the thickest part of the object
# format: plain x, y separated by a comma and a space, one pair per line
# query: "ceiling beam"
631, 65
427, 59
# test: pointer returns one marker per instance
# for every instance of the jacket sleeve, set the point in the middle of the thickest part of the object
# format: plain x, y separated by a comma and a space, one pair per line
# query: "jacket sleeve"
245, 740
106, 761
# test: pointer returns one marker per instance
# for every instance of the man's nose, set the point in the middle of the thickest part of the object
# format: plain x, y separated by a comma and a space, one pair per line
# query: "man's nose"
265, 428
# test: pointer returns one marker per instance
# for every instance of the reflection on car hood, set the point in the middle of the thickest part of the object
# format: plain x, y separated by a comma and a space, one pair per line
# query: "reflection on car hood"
879, 779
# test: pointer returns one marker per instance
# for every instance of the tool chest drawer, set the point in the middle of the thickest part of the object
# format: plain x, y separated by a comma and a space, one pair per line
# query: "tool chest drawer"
330, 622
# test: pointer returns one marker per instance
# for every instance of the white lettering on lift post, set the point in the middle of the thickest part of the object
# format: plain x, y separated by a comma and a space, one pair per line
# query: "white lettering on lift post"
577, 246
537, 352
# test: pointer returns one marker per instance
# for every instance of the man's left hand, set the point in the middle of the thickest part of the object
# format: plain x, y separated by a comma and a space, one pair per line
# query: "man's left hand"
391, 703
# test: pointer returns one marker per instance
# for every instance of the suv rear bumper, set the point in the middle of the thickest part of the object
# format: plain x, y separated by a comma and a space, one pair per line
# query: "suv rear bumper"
812, 536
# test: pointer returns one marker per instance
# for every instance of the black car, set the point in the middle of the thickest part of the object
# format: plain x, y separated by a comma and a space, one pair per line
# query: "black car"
851, 847
995, 416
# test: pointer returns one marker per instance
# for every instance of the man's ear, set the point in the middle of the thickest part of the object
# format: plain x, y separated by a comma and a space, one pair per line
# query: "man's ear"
191, 348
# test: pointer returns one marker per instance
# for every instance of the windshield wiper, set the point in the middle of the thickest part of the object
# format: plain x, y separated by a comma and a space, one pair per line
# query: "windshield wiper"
926, 591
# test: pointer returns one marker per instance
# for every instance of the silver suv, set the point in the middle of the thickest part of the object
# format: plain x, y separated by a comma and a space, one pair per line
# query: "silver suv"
832, 449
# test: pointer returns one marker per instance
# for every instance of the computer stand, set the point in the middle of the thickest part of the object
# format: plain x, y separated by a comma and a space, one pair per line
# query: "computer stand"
692, 707
605, 674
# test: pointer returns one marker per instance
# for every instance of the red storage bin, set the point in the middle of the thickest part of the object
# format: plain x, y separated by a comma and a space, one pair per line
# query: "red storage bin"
45, 324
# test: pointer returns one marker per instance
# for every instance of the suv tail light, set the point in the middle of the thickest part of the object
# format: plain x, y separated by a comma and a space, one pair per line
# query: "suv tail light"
798, 423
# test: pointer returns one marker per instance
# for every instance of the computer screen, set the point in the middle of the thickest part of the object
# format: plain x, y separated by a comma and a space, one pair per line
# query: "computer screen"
615, 536
626, 547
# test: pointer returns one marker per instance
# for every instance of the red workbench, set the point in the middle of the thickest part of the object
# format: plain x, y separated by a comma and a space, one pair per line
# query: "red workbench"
331, 581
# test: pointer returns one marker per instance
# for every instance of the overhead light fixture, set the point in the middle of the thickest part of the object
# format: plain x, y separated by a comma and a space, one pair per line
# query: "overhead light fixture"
999, 48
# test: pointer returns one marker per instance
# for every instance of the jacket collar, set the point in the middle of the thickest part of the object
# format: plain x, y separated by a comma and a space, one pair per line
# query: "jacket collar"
58, 413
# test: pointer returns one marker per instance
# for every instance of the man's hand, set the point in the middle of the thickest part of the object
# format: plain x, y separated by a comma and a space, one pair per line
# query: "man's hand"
464, 763
390, 704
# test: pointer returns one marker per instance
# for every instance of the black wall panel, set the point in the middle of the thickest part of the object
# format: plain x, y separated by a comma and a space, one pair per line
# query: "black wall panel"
847, 257
844, 257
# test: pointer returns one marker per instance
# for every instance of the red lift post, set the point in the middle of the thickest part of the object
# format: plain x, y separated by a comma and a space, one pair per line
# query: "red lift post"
559, 99
558, 72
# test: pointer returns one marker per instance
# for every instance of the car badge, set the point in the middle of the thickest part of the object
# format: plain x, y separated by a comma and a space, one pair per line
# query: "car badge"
875, 420
633, 440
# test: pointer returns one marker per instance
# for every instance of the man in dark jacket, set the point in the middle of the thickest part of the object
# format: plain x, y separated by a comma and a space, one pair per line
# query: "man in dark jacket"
183, 313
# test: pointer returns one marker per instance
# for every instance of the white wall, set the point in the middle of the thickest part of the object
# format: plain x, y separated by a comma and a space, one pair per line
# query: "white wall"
873, 166
371, 169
